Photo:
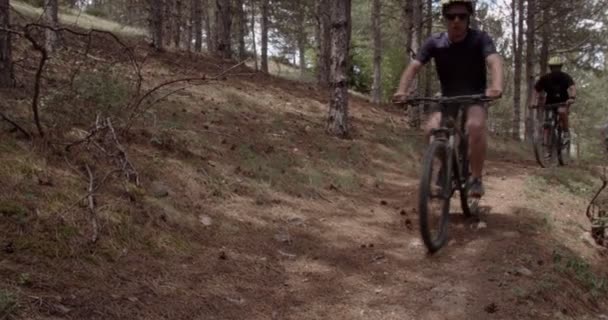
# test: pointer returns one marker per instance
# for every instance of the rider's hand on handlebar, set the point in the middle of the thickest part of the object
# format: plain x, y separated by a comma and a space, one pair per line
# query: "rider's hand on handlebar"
400, 98
493, 93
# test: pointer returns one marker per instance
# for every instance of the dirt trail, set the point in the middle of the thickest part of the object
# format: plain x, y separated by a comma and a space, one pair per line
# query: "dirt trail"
372, 264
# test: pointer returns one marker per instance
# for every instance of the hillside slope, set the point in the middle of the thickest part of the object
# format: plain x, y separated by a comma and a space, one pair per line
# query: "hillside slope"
248, 210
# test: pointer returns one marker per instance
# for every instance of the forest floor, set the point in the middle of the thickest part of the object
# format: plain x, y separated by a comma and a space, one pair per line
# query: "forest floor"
249, 210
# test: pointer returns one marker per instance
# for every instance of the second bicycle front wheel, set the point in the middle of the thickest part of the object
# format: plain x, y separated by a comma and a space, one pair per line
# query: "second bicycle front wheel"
434, 195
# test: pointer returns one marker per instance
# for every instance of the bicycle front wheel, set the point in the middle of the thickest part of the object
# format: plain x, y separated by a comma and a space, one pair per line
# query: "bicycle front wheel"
434, 195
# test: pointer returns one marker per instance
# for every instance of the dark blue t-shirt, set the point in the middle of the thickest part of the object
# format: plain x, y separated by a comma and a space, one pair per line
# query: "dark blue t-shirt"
461, 66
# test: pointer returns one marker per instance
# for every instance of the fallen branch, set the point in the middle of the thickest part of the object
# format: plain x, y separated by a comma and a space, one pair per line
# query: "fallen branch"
92, 214
128, 168
17, 126
137, 104
44, 57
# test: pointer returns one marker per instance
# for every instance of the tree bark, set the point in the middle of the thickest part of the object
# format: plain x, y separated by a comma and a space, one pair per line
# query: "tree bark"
530, 56
301, 36
51, 18
324, 39
241, 28
255, 46
209, 30
377, 43
337, 123
224, 25
156, 23
7, 78
177, 33
518, 39
428, 77
545, 39
197, 8
265, 27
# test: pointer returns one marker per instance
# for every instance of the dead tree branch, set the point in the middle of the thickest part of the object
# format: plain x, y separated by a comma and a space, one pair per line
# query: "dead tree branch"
17, 126
127, 167
135, 107
43, 58
92, 213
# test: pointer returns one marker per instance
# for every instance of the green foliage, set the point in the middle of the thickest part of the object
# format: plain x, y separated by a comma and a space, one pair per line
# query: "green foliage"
8, 304
96, 12
582, 272
105, 90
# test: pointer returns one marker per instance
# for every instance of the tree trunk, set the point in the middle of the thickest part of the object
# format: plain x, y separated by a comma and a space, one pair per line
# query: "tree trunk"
255, 46
530, 56
197, 15
337, 123
412, 16
301, 36
224, 25
209, 30
324, 39
51, 18
7, 78
428, 77
265, 26
189, 28
156, 23
177, 33
545, 39
168, 21
377, 43
241, 28
518, 37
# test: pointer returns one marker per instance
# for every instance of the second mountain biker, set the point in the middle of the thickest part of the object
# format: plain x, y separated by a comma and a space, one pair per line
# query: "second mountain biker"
461, 55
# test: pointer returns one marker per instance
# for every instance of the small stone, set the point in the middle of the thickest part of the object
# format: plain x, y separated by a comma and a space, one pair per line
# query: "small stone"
223, 255
481, 225
159, 190
491, 308
523, 271
205, 220
282, 237
378, 291
62, 309
133, 299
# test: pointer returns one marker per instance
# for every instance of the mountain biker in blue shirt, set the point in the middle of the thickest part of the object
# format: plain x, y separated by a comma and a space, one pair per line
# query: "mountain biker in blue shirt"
462, 56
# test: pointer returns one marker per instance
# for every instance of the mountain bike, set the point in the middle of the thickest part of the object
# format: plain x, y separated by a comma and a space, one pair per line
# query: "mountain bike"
445, 169
548, 137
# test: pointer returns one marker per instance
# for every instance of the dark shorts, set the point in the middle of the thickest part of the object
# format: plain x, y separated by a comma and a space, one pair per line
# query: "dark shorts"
452, 109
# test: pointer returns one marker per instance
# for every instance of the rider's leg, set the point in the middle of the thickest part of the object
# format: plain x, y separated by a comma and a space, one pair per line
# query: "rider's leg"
476, 128
563, 115
433, 122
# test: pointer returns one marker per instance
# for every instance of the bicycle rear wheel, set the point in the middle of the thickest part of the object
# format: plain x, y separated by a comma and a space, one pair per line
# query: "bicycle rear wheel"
434, 195
544, 151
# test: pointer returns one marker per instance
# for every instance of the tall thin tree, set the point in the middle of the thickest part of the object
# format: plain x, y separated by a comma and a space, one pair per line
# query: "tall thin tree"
7, 78
377, 43
337, 122
156, 23
51, 18
518, 39
265, 27
253, 37
530, 57
241, 24
324, 42
223, 14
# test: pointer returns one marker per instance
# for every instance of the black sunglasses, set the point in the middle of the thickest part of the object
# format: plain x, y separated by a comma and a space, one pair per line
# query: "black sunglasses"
453, 16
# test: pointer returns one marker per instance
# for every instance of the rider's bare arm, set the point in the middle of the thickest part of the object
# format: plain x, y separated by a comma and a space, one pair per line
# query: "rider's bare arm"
408, 76
495, 65
572, 92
